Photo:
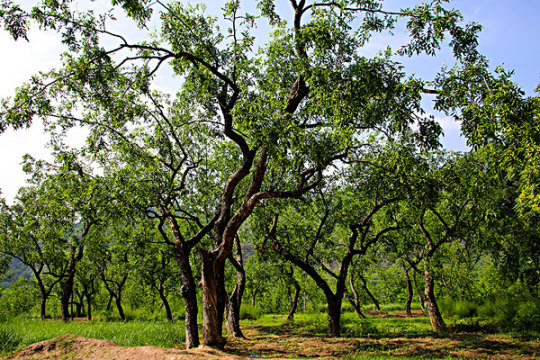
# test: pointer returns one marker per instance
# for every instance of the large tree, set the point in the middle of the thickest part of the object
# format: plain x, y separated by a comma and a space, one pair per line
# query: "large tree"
280, 114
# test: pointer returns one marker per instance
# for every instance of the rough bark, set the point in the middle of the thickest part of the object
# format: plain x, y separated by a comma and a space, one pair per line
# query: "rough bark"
232, 318
69, 279
189, 293
43, 307
212, 297
435, 317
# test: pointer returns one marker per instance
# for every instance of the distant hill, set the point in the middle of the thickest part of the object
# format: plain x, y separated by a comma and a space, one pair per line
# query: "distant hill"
16, 270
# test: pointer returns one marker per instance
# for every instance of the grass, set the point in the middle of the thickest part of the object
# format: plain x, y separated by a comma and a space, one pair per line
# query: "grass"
380, 336
16, 334
352, 326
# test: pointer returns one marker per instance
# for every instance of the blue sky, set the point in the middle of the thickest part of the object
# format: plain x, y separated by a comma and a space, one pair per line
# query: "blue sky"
511, 36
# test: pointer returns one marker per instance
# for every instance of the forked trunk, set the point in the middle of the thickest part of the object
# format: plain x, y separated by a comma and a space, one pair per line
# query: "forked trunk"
437, 322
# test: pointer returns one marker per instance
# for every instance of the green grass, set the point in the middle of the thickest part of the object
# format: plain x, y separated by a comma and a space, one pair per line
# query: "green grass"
16, 334
351, 325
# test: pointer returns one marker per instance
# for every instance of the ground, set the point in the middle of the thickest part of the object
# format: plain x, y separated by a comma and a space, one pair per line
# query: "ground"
271, 339
71, 346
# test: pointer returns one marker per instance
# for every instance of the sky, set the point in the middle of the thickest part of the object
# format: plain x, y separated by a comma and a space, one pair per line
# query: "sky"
511, 37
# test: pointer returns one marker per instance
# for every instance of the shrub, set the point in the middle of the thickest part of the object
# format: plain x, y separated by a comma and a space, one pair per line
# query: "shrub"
18, 299
9, 341
248, 312
460, 308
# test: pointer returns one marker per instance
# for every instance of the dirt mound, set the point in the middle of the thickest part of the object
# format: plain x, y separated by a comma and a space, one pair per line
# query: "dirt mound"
71, 346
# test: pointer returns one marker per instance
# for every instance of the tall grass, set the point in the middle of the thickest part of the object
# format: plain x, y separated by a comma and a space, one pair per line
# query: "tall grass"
352, 325
16, 334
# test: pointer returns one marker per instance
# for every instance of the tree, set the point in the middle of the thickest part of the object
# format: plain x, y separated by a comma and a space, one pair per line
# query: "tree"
117, 259
498, 119
283, 114
445, 209
22, 237
68, 203
339, 222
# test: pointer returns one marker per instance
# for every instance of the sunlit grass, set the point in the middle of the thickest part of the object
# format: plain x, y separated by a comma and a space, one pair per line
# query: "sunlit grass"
16, 334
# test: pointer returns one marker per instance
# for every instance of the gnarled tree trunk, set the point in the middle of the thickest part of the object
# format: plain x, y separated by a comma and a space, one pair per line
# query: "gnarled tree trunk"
213, 298
232, 311
189, 293
437, 322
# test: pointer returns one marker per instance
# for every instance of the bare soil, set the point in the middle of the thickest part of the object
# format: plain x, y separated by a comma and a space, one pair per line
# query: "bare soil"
71, 346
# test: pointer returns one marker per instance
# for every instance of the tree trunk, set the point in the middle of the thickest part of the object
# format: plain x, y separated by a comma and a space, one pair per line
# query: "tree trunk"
294, 302
213, 291
88, 307
67, 291
109, 303
163, 298
44, 296
118, 300
334, 316
437, 322
355, 303
366, 289
189, 293
419, 295
409, 291
79, 309
254, 295
232, 313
